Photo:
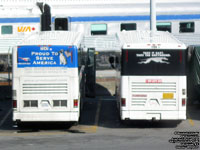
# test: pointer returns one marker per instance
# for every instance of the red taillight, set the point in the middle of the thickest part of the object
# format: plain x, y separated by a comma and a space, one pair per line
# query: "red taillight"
75, 103
14, 103
126, 55
183, 102
123, 101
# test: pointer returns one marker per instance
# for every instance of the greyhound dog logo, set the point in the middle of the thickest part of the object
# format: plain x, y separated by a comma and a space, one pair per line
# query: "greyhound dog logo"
162, 60
63, 55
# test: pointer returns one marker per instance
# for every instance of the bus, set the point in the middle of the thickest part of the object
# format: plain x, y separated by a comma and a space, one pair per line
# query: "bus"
48, 77
151, 82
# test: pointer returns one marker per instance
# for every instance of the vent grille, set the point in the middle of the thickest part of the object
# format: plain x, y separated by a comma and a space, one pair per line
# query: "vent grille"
60, 103
142, 89
166, 87
46, 88
138, 101
30, 103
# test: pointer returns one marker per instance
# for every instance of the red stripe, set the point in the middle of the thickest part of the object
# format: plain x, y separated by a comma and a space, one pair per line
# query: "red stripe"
126, 55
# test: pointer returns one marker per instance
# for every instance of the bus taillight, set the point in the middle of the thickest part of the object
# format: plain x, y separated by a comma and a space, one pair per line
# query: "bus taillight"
123, 102
126, 55
75, 103
14, 103
183, 102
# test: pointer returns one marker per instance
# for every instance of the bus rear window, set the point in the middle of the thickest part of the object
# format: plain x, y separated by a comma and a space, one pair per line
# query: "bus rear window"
153, 62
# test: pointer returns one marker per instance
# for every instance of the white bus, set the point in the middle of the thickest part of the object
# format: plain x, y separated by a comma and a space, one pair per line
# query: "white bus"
152, 76
47, 77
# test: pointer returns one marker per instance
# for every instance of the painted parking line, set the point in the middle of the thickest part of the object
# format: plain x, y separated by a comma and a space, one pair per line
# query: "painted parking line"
98, 112
5, 117
88, 129
191, 122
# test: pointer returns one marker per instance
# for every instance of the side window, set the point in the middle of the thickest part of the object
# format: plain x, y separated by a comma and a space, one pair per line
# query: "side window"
61, 24
186, 27
98, 29
164, 26
6, 29
128, 26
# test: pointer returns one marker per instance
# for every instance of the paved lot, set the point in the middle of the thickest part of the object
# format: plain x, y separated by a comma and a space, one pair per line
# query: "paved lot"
99, 128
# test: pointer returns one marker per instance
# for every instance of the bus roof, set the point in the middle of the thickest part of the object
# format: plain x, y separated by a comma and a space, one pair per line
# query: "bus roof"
149, 40
53, 38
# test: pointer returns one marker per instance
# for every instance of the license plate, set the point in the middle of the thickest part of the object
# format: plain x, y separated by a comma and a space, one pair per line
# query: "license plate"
168, 95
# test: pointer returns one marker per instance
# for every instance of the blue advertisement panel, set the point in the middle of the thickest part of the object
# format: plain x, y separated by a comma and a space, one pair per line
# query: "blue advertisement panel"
47, 56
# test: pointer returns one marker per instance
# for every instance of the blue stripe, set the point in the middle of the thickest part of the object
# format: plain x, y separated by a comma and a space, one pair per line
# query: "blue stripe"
109, 18
104, 18
20, 20
134, 18
178, 17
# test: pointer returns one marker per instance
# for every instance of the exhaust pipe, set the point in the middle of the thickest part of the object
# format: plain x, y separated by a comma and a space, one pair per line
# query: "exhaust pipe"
45, 17
153, 17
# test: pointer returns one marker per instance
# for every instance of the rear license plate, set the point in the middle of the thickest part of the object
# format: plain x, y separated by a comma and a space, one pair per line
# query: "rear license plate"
168, 95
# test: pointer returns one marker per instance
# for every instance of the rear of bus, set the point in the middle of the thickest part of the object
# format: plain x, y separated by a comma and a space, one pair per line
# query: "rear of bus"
45, 83
153, 84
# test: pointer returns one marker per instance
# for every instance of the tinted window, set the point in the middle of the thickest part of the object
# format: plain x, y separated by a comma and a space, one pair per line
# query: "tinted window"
186, 27
153, 62
164, 26
6, 29
98, 29
61, 24
128, 26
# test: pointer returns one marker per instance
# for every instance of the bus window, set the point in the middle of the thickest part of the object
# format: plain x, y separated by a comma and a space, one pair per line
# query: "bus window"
128, 26
61, 24
6, 29
186, 27
98, 29
164, 26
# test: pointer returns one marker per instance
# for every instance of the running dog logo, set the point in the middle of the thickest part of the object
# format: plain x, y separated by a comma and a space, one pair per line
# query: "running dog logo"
162, 60
63, 56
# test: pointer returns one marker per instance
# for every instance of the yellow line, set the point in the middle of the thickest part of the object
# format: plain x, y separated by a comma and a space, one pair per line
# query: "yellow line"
98, 112
190, 120
89, 129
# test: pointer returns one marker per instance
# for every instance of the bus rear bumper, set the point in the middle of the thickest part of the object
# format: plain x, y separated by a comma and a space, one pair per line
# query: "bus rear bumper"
46, 117
153, 115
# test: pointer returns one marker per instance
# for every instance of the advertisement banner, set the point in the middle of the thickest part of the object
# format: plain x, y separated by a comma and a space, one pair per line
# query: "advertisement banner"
47, 56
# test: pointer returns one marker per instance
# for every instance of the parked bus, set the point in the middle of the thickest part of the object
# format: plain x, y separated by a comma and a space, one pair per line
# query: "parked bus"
151, 76
48, 77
